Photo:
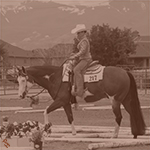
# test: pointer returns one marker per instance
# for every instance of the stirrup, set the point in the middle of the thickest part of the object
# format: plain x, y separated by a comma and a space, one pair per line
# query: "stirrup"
73, 89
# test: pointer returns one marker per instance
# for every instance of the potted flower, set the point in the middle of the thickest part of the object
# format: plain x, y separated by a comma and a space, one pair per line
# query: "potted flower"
37, 138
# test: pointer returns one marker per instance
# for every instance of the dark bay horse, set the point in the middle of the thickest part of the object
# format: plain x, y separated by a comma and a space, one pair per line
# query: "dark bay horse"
117, 85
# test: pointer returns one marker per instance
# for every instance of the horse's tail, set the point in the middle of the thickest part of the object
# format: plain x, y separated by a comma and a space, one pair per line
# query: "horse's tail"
136, 117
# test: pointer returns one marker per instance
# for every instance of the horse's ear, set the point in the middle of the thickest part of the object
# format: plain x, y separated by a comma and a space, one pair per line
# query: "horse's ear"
18, 70
23, 70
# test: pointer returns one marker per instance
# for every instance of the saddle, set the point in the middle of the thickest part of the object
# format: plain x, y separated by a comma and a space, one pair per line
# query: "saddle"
93, 73
93, 63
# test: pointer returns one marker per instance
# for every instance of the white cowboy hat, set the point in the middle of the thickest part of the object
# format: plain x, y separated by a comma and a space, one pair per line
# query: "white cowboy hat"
78, 28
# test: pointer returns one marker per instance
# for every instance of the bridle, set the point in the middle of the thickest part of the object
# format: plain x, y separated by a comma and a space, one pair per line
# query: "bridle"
26, 90
26, 86
32, 96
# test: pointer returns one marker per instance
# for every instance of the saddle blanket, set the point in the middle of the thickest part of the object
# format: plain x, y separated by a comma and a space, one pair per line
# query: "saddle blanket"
92, 74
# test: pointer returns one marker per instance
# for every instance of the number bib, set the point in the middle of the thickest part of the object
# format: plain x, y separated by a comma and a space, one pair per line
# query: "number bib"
94, 76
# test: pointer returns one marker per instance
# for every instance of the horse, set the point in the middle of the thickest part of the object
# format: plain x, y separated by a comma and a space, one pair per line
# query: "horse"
117, 84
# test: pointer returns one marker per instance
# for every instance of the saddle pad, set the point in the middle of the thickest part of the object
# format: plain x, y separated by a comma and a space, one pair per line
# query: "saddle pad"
92, 75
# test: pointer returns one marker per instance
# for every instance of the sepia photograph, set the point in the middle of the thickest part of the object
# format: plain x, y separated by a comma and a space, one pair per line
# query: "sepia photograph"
74, 74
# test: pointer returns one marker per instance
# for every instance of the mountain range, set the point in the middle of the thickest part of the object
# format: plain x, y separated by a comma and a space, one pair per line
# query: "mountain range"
36, 24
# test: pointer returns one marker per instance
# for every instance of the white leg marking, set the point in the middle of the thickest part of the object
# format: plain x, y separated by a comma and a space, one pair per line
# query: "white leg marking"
116, 131
45, 116
73, 129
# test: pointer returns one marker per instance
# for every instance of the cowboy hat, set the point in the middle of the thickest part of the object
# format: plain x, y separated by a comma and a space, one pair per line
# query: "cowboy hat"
78, 28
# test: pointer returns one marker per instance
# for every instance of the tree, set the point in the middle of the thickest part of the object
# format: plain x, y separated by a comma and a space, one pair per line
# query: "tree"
3, 60
55, 55
112, 46
3, 52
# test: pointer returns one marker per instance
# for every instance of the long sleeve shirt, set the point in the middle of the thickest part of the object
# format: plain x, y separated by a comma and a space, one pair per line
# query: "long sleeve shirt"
84, 49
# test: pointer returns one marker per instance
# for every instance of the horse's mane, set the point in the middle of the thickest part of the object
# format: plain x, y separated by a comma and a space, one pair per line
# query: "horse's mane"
41, 70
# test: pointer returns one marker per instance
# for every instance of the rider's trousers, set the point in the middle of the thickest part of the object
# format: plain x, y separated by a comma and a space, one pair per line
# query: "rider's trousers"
78, 75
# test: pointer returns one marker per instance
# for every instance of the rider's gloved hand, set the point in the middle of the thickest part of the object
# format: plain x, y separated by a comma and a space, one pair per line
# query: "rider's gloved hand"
72, 57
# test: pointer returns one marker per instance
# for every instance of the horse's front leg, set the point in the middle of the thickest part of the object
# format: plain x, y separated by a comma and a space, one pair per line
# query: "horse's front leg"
46, 116
69, 114
55, 105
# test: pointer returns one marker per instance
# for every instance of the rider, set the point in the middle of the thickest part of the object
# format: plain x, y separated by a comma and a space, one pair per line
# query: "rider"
83, 56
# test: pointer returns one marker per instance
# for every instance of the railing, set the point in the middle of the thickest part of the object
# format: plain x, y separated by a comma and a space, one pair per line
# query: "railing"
9, 84
142, 77
10, 88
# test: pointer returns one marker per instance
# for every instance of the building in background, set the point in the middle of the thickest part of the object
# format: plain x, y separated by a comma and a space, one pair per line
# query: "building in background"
141, 58
20, 57
57, 54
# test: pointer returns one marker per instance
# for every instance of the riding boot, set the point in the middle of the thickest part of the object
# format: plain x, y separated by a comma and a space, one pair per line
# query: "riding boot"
79, 84
78, 88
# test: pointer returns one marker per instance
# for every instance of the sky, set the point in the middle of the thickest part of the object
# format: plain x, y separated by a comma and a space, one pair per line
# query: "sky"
90, 3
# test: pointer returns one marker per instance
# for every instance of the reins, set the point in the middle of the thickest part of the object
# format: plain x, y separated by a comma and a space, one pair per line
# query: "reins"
61, 80
32, 96
64, 62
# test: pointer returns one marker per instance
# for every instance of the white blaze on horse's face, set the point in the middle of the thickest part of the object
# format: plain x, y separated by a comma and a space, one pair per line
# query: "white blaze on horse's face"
24, 86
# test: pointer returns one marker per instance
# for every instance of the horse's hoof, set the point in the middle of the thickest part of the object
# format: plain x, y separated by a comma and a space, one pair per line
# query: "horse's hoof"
135, 136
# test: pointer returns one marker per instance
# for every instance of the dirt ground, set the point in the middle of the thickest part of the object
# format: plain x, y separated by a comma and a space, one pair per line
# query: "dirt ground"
86, 117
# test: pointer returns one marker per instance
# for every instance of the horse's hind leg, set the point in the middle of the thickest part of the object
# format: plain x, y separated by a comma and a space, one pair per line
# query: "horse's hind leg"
127, 106
117, 112
69, 114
